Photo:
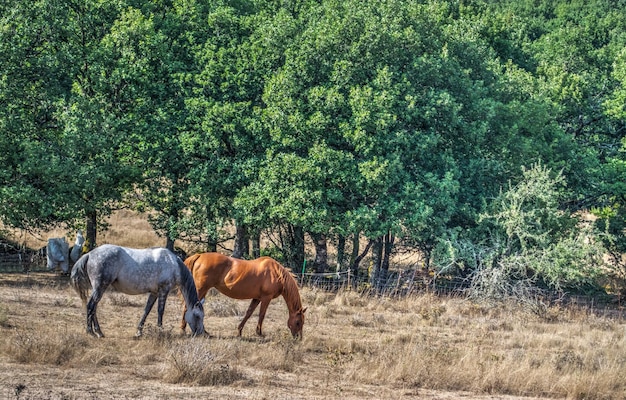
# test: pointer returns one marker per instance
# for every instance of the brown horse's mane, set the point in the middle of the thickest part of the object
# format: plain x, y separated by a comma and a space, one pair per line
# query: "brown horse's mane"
290, 289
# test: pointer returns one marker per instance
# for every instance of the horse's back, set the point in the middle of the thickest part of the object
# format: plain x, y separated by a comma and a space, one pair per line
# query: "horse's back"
134, 271
220, 265
236, 278
128, 255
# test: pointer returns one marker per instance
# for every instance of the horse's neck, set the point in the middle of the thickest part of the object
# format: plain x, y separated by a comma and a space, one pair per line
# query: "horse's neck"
187, 286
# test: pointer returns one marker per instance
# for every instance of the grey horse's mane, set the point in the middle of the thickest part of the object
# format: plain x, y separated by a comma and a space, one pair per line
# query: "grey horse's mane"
187, 284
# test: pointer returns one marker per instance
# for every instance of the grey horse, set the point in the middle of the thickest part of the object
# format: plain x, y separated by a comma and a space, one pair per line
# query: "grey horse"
58, 252
133, 271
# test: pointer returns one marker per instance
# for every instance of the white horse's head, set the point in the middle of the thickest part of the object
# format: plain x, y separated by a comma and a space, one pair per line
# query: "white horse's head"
195, 318
57, 254
77, 249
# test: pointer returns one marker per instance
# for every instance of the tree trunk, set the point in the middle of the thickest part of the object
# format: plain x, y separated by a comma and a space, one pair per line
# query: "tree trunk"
298, 243
355, 253
255, 240
377, 255
293, 247
211, 246
169, 243
341, 252
92, 229
241, 248
172, 228
211, 232
321, 252
389, 240
357, 259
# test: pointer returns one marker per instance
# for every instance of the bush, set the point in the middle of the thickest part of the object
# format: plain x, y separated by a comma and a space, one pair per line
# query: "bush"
191, 363
527, 242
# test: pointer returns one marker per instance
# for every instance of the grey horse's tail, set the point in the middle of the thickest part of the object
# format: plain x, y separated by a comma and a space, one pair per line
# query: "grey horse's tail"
79, 278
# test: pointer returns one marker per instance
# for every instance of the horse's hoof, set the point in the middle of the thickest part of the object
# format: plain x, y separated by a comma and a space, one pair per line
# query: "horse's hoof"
138, 334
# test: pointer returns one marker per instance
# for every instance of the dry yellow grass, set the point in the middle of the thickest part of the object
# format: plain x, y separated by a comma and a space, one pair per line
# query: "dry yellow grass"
126, 228
354, 347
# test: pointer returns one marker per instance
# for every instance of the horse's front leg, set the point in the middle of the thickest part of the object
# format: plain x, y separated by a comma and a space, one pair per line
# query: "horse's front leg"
151, 299
161, 307
253, 305
183, 322
262, 311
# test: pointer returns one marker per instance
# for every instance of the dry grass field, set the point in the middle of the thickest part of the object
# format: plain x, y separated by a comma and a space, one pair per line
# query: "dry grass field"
354, 347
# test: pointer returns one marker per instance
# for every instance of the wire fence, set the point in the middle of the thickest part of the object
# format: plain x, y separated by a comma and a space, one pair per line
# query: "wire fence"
395, 284
23, 261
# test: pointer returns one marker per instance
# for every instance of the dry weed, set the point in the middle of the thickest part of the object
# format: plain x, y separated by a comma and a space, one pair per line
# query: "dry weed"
123, 300
48, 347
4, 318
197, 362
498, 354
221, 306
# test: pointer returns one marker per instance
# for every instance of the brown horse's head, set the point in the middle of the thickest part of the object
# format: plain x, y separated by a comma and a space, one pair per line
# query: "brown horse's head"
296, 322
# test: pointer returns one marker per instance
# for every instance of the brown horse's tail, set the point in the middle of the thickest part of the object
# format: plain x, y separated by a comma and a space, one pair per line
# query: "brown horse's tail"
190, 262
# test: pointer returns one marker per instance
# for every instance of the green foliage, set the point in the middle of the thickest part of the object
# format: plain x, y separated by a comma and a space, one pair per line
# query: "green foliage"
528, 239
328, 117
529, 213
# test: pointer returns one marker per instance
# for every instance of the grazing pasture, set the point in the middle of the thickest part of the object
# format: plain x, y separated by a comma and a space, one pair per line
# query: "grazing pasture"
354, 347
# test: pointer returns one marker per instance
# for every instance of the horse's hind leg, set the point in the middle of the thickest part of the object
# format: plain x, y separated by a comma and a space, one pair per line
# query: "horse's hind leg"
96, 326
151, 299
93, 328
253, 305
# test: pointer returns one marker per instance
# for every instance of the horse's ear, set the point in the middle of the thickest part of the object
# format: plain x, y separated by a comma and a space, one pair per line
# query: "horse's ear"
198, 304
303, 310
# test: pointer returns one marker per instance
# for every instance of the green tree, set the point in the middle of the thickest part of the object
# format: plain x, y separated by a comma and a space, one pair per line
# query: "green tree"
225, 138
152, 56
59, 115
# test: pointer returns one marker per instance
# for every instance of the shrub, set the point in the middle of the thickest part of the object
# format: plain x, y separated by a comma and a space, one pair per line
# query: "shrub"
527, 242
192, 363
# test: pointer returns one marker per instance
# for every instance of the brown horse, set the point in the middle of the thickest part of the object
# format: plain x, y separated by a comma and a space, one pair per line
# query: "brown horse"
261, 280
